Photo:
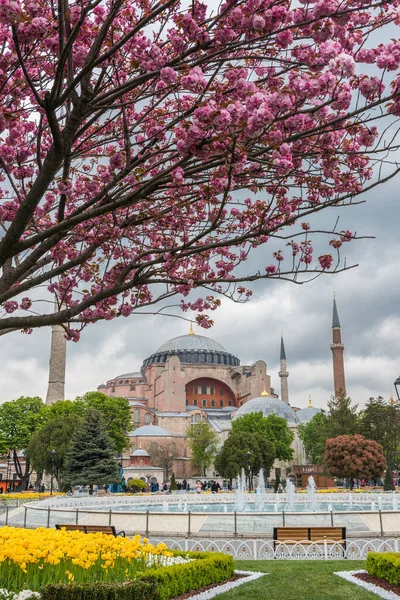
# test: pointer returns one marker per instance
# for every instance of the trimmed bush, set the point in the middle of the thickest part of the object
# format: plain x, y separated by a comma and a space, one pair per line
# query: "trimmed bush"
136, 590
208, 568
385, 565
158, 583
136, 485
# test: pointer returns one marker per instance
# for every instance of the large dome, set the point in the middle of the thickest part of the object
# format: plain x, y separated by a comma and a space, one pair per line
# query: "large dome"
193, 348
191, 342
268, 406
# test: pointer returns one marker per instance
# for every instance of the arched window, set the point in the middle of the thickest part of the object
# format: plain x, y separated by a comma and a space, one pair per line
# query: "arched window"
194, 402
173, 447
196, 419
212, 402
221, 403
212, 390
221, 392
204, 402
204, 388
136, 415
196, 389
187, 402
230, 403
133, 448
147, 419
153, 447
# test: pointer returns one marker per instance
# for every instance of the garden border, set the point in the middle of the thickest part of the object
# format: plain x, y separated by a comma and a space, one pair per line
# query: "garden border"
230, 585
370, 587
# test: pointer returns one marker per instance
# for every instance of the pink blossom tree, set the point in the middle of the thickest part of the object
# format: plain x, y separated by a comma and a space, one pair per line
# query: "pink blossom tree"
148, 148
354, 457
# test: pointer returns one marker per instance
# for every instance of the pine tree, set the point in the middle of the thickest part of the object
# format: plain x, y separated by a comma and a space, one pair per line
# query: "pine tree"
388, 483
91, 458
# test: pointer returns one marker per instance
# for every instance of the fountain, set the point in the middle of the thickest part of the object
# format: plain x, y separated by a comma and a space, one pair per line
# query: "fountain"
290, 492
261, 481
185, 507
350, 499
311, 497
373, 505
180, 504
394, 501
379, 502
276, 507
330, 508
165, 506
240, 500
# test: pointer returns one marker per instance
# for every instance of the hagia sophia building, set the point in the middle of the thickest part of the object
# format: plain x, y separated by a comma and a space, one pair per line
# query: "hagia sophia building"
193, 378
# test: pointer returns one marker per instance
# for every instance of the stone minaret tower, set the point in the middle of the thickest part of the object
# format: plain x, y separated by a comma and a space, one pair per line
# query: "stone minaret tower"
284, 374
57, 363
337, 353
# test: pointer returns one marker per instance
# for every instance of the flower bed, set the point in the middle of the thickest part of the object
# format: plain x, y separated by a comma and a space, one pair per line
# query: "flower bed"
65, 565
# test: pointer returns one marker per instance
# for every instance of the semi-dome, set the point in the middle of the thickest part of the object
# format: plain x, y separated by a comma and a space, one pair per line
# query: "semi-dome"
150, 430
140, 452
268, 406
133, 375
192, 348
306, 414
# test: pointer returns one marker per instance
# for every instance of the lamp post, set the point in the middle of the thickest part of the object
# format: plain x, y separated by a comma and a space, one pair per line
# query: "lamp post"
52, 455
8, 473
397, 387
248, 454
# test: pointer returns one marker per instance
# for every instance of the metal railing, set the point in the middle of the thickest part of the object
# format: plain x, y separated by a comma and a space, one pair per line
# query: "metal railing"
193, 523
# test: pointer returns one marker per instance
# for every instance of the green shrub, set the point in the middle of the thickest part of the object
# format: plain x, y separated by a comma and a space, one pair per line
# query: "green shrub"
388, 484
158, 583
208, 568
136, 485
172, 485
136, 590
385, 565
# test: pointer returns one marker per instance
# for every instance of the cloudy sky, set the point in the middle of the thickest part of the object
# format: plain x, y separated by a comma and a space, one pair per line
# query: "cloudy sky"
368, 299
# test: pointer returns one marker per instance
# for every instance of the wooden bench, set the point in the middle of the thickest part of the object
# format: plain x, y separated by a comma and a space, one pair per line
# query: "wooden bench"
107, 529
310, 535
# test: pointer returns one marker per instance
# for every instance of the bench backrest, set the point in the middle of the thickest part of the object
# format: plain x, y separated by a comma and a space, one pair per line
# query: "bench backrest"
107, 529
291, 533
312, 534
330, 533
71, 527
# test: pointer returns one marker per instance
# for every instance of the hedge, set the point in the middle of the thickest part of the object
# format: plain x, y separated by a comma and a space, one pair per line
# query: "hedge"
159, 583
385, 566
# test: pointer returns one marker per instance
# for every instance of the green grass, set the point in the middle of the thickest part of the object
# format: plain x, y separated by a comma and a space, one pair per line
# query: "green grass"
299, 580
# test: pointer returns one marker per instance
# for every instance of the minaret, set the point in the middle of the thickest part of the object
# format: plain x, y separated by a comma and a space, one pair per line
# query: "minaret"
57, 363
284, 374
337, 353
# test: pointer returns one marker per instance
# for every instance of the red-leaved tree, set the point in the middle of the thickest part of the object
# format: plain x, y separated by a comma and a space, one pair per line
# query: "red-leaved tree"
149, 147
354, 457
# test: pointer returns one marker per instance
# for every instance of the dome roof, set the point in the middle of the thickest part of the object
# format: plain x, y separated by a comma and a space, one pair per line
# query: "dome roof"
102, 387
133, 375
191, 342
150, 430
192, 348
140, 452
268, 406
306, 414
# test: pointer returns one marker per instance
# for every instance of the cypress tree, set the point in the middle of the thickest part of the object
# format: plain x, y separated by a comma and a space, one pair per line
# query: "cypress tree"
388, 483
91, 457
172, 485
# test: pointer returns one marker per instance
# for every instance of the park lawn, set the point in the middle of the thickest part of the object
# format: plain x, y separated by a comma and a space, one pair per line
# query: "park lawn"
299, 580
